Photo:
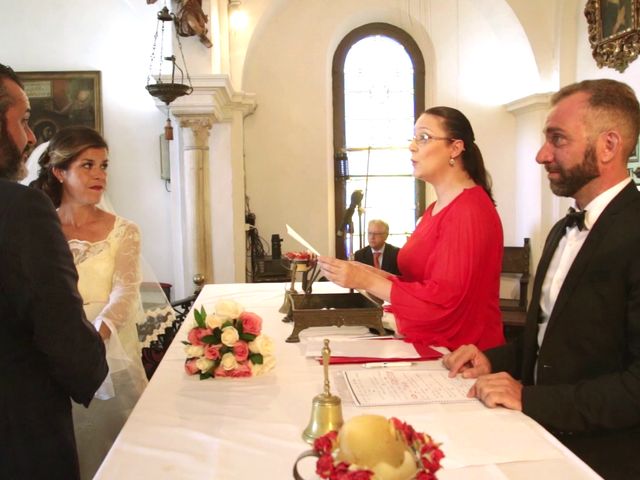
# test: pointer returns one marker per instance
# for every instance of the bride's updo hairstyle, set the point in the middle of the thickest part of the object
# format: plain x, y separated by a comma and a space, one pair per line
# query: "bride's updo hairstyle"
64, 147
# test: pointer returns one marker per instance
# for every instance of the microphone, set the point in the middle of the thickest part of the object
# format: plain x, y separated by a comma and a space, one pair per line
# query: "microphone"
356, 201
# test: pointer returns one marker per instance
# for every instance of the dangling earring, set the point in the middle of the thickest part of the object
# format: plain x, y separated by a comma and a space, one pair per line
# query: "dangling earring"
452, 162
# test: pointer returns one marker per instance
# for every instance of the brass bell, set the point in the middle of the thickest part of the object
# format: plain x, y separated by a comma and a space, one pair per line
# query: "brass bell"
326, 409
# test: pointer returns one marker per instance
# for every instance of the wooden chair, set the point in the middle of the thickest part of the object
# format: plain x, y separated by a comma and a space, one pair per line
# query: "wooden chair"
515, 261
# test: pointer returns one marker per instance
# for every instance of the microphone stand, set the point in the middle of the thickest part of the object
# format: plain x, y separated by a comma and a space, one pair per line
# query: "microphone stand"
361, 226
346, 231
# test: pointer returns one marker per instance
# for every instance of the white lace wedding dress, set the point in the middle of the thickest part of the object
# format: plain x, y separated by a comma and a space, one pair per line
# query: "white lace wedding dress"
109, 282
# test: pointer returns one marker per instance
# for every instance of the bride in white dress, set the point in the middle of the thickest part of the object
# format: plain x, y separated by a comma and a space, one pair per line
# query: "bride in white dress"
106, 251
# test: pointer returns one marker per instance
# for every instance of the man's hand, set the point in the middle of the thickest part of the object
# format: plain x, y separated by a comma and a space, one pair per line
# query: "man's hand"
498, 389
467, 360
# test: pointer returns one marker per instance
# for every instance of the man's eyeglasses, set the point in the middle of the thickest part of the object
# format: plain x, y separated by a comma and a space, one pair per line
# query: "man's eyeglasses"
375, 234
423, 138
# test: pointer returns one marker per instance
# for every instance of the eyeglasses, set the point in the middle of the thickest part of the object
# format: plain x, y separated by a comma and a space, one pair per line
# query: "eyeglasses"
375, 234
423, 138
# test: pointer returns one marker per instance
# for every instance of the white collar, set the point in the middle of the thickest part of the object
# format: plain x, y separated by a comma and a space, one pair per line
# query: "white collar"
597, 205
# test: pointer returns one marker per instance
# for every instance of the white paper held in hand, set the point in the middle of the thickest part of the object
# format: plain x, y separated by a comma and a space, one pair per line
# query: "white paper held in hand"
296, 236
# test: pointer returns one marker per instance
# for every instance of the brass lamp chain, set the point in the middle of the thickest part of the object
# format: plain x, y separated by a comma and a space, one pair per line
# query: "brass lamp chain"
153, 52
175, 25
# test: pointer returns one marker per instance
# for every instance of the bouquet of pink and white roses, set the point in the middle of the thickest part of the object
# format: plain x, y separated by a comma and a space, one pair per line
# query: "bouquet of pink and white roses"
227, 343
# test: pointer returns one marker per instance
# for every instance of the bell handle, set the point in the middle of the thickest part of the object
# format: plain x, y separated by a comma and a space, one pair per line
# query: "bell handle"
308, 453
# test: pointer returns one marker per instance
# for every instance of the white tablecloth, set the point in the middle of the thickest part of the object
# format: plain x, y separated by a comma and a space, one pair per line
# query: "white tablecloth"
228, 429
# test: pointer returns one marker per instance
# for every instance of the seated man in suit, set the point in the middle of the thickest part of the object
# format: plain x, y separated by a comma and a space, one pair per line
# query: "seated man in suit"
379, 254
576, 367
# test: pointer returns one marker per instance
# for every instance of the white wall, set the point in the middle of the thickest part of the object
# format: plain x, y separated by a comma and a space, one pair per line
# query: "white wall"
114, 37
477, 58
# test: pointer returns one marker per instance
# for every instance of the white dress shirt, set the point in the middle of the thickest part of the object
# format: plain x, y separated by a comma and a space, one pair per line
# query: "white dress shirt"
566, 252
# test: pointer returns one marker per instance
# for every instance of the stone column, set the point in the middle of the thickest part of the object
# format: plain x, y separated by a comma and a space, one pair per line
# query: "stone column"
207, 189
197, 227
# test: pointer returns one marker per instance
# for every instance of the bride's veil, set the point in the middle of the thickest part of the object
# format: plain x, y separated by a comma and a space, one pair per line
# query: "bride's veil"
157, 315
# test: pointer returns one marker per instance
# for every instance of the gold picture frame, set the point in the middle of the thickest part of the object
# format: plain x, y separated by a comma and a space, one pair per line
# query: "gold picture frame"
614, 32
61, 99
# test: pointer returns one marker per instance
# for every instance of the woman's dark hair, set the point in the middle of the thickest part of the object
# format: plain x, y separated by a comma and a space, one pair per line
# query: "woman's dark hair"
64, 147
457, 126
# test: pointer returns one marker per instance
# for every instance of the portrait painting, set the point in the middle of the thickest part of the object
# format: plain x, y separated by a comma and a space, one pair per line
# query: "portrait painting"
616, 16
60, 99
614, 33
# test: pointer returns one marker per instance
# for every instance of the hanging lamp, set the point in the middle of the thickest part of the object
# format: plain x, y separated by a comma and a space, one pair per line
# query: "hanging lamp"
167, 92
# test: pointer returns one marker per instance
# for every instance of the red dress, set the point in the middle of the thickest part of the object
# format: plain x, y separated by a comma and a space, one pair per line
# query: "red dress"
449, 288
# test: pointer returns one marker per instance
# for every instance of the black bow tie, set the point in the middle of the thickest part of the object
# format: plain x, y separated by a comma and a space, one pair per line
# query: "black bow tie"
575, 218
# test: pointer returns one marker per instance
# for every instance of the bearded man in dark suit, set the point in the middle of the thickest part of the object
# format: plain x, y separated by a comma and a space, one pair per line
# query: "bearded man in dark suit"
576, 367
48, 351
378, 253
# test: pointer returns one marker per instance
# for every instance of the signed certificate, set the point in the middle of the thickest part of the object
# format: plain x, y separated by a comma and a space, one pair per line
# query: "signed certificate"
378, 387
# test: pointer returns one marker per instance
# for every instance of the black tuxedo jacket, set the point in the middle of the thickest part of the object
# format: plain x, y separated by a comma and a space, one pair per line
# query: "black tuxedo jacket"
588, 367
389, 258
48, 351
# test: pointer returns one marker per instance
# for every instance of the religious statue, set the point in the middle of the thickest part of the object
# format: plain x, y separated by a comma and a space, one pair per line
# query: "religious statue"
191, 20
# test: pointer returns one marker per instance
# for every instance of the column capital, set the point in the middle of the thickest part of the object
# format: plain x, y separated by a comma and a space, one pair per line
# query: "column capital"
531, 103
214, 96
196, 130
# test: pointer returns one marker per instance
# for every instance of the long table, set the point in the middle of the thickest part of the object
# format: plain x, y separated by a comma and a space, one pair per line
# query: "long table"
250, 428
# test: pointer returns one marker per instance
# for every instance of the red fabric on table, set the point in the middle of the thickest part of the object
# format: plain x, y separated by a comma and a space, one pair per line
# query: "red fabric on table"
425, 352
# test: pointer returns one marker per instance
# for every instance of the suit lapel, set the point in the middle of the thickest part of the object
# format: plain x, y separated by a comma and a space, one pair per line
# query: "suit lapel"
556, 234
590, 246
386, 258
368, 256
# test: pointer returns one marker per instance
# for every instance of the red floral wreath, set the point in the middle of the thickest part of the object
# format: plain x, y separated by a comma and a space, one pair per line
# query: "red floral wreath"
425, 450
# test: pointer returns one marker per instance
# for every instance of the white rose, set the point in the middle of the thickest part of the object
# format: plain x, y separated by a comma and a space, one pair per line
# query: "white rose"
194, 351
228, 361
214, 321
268, 362
204, 364
262, 344
228, 308
229, 336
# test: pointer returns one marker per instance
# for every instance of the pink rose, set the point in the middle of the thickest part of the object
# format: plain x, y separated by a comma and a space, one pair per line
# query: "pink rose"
190, 366
196, 334
212, 352
243, 370
251, 323
240, 351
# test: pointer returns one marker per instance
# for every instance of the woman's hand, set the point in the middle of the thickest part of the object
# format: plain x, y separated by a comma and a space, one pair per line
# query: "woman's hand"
104, 332
356, 275
344, 273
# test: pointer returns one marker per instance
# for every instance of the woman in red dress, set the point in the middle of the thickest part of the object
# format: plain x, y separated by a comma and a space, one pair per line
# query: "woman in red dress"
448, 290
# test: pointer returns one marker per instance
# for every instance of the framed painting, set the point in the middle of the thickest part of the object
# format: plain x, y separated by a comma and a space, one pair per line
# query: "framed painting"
60, 99
614, 32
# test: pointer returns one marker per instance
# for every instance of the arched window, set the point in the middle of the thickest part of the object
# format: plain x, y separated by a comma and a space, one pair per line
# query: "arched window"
378, 92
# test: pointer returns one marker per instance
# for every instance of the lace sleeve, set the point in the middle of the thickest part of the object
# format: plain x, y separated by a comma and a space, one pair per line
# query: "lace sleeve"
124, 299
